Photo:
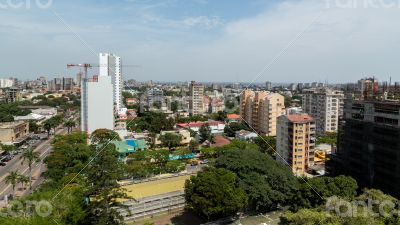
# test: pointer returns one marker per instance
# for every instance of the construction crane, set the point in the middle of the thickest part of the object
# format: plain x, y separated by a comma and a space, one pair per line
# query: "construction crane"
87, 66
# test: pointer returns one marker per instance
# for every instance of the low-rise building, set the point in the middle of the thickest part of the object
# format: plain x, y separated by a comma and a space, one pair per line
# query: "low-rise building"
185, 134
13, 132
245, 135
233, 118
217, 127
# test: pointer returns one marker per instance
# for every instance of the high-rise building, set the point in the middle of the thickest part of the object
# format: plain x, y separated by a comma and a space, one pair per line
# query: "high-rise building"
10, 94
295, 142
61, 84
78, 81
154, 95
4, 83
260, 110
326, 106
196, 98
369, 146
67, 84
97, 104
368, 87
110, 65
268, 85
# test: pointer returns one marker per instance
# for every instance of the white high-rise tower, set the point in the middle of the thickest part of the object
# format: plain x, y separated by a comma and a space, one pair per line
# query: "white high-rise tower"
110, 65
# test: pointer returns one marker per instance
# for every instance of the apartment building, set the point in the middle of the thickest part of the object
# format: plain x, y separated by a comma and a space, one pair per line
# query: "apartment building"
196, 98
369, 147
260, 110
326, 106
295, 142
110, 65
97, 104
154, 95
5, 83
10, 94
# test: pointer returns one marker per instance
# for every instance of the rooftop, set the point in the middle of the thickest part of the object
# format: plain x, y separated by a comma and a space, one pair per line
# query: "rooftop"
8, 125
233, 116
300, 118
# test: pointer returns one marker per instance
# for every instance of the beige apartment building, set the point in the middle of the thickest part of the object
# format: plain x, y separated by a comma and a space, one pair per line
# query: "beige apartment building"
260, 109
13, 132
196, 98
295, 142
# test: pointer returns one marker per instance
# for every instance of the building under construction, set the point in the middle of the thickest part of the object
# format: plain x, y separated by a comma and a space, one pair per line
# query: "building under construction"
369, 146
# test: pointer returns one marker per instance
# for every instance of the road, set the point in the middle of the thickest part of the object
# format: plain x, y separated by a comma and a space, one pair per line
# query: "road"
17, 164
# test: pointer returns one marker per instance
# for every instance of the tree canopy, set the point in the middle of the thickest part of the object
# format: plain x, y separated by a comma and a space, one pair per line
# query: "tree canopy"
214, 194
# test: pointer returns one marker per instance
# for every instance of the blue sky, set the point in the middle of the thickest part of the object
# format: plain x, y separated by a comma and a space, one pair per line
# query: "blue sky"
205, 40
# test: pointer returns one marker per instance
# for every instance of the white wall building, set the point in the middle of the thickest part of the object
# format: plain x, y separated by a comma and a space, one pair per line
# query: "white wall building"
326, 106
97, 104
4, 83
110, 65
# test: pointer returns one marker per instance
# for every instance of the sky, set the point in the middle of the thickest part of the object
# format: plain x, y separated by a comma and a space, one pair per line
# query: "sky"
332, 41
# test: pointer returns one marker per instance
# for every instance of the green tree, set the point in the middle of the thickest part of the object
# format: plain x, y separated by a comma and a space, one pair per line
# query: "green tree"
30, 156
170, 140
314, 192
104, 136
70, 155
267, 144
70, 124
327, 138
48, 125
266, 182
33, 127
174, 106
214, 194
193, 145
205, 133
7, 148
23, 180
12, 179
102, 175
174, 166
230, 129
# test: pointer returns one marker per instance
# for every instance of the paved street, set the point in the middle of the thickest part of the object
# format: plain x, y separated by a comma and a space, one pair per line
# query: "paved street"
14, 164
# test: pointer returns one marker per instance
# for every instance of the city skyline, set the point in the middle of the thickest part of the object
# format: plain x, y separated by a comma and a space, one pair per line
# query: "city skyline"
280, 41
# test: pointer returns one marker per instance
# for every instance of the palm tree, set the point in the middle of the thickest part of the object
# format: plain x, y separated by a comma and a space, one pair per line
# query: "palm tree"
47, 125
12, 179
30, 156
70, 124
23, 180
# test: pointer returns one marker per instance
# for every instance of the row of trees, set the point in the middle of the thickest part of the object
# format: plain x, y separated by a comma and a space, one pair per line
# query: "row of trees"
81, 182
259, 184
14, 178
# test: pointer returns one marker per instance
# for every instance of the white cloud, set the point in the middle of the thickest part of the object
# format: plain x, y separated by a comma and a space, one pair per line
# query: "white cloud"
202, 22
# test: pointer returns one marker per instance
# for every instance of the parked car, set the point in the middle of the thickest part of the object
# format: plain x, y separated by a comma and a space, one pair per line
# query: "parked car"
2, 163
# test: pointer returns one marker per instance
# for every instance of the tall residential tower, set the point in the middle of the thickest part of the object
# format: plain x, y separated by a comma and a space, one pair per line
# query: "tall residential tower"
110, 65
196, 98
